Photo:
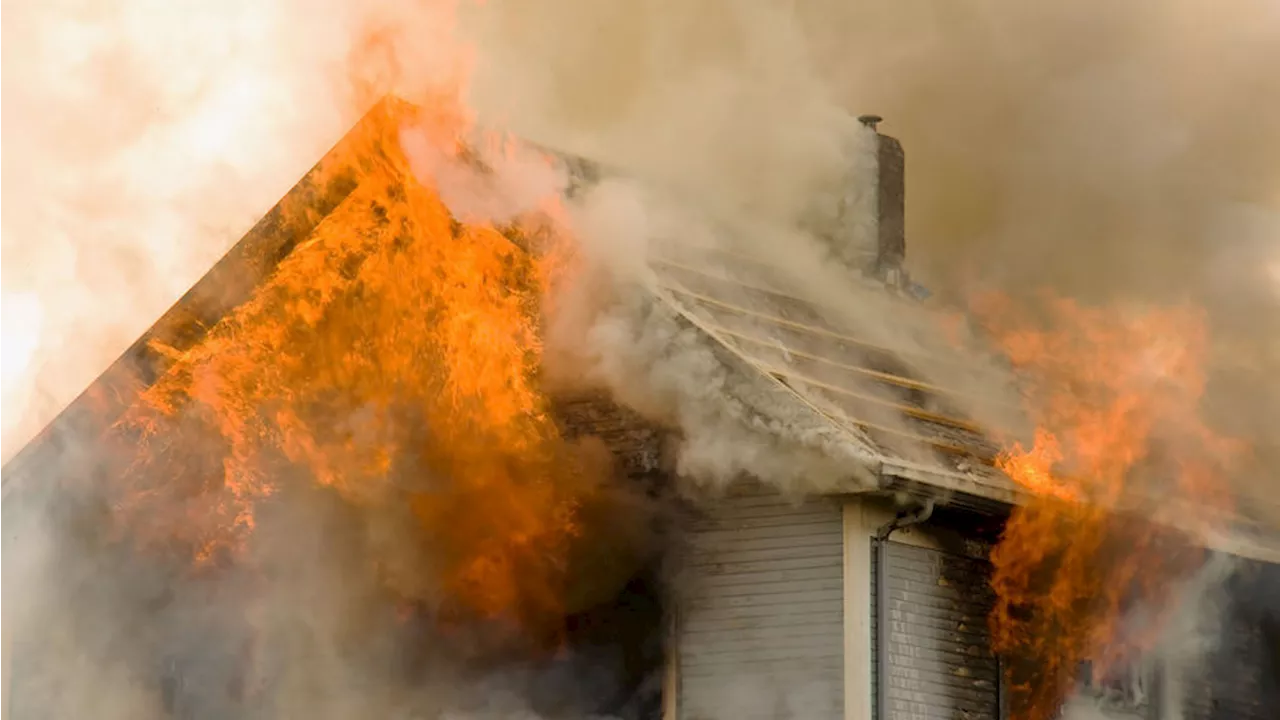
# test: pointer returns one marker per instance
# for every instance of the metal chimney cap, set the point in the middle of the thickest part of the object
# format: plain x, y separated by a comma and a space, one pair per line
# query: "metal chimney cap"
870, 120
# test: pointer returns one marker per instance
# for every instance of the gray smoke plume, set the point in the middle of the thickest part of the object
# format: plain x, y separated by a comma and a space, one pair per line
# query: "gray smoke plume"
1107, 151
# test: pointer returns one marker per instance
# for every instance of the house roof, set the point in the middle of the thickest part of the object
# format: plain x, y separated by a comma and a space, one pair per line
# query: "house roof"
863, 390
228, 284
867, 389
903, 398
923, 435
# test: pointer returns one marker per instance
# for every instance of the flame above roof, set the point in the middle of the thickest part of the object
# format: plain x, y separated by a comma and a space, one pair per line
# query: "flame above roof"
868, 394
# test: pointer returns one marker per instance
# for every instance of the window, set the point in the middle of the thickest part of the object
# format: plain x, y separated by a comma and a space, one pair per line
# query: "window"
1124, 688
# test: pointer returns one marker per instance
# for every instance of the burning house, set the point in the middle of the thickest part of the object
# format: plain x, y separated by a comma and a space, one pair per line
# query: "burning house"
904, 597
161, 526
371, 352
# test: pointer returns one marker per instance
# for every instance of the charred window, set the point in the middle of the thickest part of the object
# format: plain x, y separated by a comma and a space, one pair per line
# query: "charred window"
1126, 685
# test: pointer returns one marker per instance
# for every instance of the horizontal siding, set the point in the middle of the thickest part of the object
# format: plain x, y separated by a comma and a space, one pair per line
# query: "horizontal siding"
1230, 684
761, 630
940, 664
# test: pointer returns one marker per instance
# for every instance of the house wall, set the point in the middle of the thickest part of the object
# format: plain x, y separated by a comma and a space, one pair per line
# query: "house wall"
1238, 678
778, 620
940, 664
760, 628
858, 631
939, 657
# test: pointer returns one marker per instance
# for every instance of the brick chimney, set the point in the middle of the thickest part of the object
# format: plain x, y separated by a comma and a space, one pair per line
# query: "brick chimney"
891, 228
863, 216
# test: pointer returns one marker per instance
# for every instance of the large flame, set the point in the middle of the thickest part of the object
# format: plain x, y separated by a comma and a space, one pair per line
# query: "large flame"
1120, 453
155, 133
392, 357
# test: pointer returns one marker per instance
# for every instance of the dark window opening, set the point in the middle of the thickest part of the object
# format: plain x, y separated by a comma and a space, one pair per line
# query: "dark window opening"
1124, 685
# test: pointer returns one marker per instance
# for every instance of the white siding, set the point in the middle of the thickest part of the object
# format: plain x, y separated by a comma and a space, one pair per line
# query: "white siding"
940, 661
761, 632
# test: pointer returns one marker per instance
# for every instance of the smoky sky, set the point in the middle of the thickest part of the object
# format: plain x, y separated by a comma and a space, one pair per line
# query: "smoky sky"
1111, 152
1107, 150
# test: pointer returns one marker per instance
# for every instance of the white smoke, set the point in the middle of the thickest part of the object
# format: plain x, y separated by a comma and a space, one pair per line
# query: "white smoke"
746, 149
516, 180
1108, 175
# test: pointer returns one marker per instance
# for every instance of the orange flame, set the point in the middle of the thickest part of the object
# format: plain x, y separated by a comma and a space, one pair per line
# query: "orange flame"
392, 357
1119, 453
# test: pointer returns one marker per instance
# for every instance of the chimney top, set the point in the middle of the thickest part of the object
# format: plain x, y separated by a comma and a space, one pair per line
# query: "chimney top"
870, 120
